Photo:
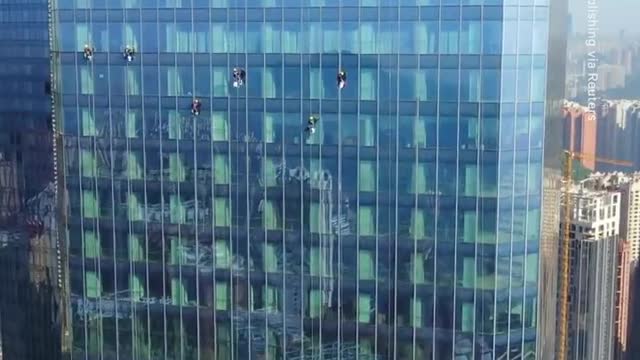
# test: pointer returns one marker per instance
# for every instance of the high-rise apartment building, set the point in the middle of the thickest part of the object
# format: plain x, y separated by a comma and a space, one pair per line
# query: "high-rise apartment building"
403, 222
618, 130
580, 131
594, 235
629, 187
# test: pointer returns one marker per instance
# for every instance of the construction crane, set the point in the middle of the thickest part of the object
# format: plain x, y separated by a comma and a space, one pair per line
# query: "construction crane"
570, 156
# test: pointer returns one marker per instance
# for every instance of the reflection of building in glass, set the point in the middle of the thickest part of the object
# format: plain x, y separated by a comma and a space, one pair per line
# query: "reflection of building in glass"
29, 322
404, 224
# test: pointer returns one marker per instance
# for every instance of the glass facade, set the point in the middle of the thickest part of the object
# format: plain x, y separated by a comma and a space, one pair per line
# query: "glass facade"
407, 226
29, 326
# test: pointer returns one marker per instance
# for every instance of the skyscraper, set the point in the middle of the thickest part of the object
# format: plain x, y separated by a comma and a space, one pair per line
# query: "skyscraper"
29, 325
397, 217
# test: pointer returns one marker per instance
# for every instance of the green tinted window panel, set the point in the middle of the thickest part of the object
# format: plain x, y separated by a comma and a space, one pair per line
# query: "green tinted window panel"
90, 204
418, 228
176, 168
222, 296
83, 32
269, 172
315, 303
174, 84
316, 86
270, 128
178, 292
175, 125
366, 221
219, 123
177, 213
468, 272
134, 168
222, 213
367, 92
420, 123
467, 317
223, 255
318, 265
92, 247
130, 30
273, 345
136, 248
133, 77
271, 215
270, 258
365, 265
175, 257
319, 221
364, 308
93, 285
95, 337
270, 294
531, 268
469, 226
367, 176
221, 173
133, 124
416, 313
87, 88
269, 79
470, 180
419, 184
418, 273
135, 208
223, 343
367, 122
88, 163
136, 286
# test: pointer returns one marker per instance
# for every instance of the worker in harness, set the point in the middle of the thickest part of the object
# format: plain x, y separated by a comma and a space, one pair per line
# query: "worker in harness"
196, 105
342, 79
311, 124
88, 52
128, 53
239, 76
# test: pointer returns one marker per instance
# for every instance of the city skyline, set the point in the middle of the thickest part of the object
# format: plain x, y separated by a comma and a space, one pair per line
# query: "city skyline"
614, 16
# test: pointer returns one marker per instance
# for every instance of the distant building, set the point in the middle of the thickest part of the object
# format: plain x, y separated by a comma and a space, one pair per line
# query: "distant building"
611, 76
629, 187
618, 131
594, 235
629, 248
580, 131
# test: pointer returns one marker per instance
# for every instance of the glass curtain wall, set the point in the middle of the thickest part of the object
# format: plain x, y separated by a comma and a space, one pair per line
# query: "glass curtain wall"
405, 227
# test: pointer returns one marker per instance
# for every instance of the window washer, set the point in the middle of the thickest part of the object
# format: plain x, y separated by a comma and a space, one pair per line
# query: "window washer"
196, 105
239, 76
88, 52
342, 79
311, 124
128, 53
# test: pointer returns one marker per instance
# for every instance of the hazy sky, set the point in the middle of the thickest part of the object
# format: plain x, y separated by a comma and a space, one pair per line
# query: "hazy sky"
614, 15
